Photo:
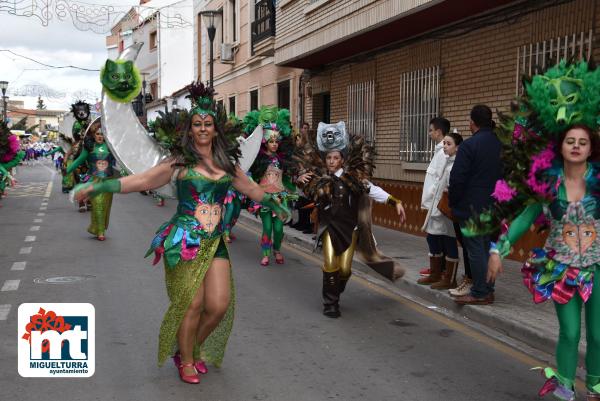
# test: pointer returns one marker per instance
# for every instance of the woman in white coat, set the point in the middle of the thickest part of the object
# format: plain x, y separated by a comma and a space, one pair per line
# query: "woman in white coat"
441, 237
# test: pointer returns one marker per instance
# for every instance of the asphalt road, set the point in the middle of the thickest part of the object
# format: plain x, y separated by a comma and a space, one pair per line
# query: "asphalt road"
282, 348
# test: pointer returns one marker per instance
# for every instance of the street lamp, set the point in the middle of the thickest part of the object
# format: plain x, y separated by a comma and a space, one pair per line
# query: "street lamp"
211, 19
3, 86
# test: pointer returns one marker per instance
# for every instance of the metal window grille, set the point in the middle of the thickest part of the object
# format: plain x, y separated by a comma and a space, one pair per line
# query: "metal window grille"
361, 109
541, 54
419, 103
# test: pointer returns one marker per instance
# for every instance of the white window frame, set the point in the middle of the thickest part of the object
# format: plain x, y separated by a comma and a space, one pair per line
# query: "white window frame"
361, 108
538, 54
257, 89
419, 103
228, 32
235, 97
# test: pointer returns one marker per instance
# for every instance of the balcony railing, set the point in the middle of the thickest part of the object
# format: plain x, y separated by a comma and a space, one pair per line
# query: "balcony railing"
263, 25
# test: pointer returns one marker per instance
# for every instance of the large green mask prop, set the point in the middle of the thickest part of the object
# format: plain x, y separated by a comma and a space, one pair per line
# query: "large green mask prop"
121, 80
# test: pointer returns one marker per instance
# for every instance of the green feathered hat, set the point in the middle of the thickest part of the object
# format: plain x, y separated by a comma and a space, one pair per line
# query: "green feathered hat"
202, 98
276, 122
565, 95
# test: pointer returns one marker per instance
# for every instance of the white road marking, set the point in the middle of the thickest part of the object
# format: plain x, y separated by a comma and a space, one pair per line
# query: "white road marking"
25, 250
49, 189
10, 285
18, 266
34, 228
41, 214
38, 220
43, 207
4, 311
30, 238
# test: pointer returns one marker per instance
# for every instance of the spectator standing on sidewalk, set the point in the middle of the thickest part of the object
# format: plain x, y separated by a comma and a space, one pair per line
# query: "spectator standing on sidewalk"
476, 169
436, 225
440, 229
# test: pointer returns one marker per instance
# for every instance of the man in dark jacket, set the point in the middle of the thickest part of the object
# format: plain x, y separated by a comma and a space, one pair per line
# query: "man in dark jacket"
472, 180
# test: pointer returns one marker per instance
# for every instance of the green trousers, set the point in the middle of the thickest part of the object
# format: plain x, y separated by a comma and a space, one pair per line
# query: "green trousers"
569, 318
272, 228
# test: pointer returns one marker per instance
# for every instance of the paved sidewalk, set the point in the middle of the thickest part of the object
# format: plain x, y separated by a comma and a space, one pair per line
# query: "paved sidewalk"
513, 313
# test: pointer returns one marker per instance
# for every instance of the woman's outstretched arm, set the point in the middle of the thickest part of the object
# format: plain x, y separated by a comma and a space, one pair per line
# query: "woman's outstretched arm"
153, 178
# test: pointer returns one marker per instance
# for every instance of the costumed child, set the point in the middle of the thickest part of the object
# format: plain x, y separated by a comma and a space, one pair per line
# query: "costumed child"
272, 170
101, 165
335, 175
551, 143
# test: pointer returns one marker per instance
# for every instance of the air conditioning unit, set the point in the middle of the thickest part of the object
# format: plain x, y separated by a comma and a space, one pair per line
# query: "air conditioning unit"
227, 52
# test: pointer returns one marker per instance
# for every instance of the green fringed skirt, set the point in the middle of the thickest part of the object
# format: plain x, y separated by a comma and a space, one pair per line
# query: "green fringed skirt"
183, 281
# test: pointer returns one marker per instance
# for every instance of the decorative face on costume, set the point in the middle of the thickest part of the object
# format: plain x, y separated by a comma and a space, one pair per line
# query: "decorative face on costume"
579, 237
332, 137
81, 111
209, 216
564, 96
273, 175
101, 165
120, 80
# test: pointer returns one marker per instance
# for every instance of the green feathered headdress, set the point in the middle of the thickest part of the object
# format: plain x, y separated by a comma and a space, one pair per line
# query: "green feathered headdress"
565, 95
202, 98
276, 122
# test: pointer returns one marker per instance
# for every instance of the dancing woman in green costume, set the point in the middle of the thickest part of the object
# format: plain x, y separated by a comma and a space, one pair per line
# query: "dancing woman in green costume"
198, 276
551, 151
101, 168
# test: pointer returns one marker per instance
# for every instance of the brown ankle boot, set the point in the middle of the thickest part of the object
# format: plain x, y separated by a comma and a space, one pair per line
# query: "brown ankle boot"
448, 279
435, 266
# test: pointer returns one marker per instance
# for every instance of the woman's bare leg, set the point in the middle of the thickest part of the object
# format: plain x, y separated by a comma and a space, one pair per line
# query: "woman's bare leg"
217, 294
186, 335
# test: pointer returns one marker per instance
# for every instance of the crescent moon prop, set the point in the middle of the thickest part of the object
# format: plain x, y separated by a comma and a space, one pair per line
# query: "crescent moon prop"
250, 147
126, 137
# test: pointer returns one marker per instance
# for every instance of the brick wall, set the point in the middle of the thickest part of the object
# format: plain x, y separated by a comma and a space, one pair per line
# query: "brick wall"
477, 67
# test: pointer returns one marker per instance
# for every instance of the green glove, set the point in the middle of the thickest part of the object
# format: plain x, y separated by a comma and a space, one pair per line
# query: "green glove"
113, 186
282, 211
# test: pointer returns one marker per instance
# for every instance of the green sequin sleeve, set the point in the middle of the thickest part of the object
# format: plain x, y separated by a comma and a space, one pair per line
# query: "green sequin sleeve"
77, 162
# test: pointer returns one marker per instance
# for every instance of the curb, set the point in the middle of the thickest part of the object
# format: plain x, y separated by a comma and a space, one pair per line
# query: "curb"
481, 315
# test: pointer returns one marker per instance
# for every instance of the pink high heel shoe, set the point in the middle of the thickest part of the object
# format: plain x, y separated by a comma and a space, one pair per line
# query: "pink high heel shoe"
191, 379
199, 365
264, 261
